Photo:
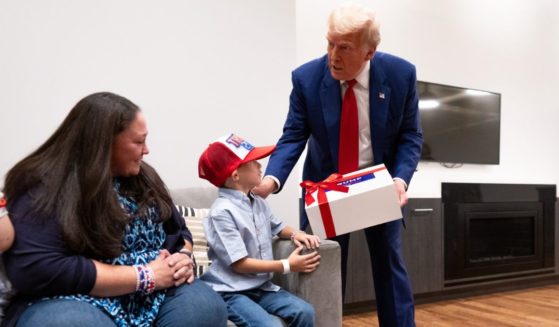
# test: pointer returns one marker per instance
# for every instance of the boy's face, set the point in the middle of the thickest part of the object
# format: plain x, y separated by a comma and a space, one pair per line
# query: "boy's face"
250, 174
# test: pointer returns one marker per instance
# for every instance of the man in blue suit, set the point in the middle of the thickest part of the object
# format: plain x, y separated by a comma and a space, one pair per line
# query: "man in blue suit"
389, 132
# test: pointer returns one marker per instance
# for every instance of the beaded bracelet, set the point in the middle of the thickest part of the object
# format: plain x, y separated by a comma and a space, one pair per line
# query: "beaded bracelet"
3, 203
145, 279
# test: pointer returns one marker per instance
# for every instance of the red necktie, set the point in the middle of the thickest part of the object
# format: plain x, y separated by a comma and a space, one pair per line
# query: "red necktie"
348, 154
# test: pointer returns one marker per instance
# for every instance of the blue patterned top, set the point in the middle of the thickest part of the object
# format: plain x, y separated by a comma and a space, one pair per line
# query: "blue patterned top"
144, 237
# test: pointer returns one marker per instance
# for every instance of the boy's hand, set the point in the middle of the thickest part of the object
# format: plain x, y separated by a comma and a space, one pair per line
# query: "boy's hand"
303, 262
306, 240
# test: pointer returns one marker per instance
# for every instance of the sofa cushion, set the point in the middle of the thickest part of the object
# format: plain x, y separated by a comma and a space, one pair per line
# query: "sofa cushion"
194, 217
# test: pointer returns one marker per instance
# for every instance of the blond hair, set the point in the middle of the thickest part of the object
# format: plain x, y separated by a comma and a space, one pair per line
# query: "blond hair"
352, 18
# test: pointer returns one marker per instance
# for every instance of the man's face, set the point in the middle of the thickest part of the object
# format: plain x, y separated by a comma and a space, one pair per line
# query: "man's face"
347, 55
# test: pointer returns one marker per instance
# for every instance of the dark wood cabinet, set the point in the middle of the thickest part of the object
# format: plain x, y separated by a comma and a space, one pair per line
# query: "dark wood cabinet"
421, 248
359, 284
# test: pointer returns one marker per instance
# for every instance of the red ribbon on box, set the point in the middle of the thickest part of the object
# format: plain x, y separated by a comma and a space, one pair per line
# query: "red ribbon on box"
330, 184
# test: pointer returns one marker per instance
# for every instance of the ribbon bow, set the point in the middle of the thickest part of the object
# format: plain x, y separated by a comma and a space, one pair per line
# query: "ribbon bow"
330, 184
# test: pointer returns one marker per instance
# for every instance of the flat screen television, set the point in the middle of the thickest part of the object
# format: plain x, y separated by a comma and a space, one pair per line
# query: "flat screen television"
460, 125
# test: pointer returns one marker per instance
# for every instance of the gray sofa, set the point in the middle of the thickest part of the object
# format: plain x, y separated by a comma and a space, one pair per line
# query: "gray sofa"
321, 288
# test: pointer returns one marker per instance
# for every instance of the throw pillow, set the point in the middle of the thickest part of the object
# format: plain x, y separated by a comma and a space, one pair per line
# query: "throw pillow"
194, 217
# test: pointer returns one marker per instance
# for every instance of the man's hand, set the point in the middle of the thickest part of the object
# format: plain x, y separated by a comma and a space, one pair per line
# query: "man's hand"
267, 186
401, 190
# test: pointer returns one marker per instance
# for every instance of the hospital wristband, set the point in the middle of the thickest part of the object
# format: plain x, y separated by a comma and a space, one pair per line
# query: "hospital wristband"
286, 268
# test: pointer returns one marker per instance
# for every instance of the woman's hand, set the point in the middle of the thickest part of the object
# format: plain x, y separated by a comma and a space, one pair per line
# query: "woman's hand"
171, 269
303, 262
184, 265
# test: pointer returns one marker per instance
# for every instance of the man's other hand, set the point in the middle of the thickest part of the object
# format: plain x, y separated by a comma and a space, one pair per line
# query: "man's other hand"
401, 190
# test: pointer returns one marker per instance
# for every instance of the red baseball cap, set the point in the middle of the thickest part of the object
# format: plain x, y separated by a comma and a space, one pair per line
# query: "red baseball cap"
225, 155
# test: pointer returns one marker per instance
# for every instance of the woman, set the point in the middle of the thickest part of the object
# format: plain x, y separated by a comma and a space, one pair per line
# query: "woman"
99, 242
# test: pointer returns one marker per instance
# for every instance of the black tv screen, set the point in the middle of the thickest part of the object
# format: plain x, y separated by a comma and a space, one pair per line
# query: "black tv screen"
460, 125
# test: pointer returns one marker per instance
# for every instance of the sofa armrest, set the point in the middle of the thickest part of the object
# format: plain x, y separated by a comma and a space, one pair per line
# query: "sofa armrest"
321, 288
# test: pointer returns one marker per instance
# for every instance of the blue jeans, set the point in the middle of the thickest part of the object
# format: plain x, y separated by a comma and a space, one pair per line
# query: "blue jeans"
253, 308
193, 305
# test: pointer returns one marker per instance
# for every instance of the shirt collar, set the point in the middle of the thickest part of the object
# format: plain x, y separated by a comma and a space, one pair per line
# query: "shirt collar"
363, 77
231, 193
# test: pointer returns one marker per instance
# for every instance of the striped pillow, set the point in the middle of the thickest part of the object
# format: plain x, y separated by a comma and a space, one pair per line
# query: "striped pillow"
194, 221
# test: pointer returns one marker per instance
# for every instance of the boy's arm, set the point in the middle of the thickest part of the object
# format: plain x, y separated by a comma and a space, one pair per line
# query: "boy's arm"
300, 238
287, 232
296, 262
253, 266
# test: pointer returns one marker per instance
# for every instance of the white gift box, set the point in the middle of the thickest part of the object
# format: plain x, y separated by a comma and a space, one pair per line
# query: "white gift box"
345, 203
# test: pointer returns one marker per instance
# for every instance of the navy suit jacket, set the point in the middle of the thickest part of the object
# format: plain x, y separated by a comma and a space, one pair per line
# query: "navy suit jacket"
315, 111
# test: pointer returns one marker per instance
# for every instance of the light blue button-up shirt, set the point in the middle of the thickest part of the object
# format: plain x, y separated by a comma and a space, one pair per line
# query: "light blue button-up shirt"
239, 226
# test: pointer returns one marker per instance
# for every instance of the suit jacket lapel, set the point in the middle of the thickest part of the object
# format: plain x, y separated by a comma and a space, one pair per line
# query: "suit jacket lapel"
379, 99
331, 99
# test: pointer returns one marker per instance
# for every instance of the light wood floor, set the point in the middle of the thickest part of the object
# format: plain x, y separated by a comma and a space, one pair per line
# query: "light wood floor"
530, 307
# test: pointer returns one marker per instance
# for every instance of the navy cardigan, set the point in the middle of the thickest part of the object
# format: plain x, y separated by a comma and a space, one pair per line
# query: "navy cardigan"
39, 264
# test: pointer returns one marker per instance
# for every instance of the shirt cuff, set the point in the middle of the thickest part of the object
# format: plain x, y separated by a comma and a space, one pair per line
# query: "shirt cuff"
401, 180
278, 184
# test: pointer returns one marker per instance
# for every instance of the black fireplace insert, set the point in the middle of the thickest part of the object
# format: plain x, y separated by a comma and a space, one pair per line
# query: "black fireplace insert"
497, 231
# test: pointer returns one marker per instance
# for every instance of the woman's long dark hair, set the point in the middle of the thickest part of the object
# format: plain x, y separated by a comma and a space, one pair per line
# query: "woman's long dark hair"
72, 174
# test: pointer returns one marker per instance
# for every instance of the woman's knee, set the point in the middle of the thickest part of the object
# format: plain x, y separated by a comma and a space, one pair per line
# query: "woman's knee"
208, 302
61, 313
196, 303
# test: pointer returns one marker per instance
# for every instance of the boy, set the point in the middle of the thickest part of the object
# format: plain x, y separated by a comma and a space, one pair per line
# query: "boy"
239, 230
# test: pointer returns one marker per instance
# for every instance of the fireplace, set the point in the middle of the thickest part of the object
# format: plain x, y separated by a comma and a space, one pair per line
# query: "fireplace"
497, 231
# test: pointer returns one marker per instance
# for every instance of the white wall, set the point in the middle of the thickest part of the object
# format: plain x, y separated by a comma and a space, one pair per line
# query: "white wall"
190, 64
504, 46
198, 69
